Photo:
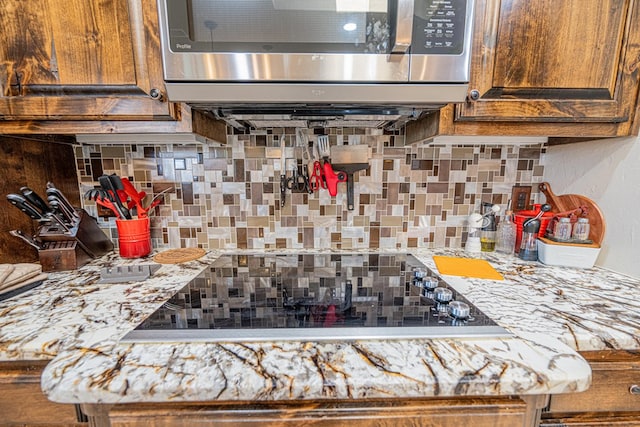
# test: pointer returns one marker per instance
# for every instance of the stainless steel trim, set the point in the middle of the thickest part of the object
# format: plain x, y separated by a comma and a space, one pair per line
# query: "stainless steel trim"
404, 27
353, 69
313, 334
291, 67
387, 94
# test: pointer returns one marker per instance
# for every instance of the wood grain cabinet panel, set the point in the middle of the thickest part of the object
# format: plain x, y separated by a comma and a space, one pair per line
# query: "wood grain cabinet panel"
477, 412
551, 67
613, 398
23, 403
81, 60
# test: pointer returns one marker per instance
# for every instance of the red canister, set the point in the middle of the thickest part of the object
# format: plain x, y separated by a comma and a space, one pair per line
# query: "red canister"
134, 237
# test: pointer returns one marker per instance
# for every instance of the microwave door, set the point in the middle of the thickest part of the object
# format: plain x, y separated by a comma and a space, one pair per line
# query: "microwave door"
287, 41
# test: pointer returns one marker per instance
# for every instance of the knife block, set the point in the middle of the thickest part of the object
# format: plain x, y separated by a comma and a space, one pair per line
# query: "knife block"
72, 249
62, 255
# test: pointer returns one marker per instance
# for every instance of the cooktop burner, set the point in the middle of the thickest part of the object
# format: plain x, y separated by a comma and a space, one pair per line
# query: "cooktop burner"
242, 297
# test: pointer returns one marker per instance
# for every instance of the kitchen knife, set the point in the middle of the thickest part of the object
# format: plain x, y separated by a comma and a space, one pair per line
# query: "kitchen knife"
107, 184
53, 191
56, 218
35, 199
21, 203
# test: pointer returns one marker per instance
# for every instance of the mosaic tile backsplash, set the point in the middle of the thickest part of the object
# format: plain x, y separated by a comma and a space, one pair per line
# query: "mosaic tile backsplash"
228, 196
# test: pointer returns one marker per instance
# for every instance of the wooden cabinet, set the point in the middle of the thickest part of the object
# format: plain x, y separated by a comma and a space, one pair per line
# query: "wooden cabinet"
23, 403
566, 68
613, 398
79, 60
440, 412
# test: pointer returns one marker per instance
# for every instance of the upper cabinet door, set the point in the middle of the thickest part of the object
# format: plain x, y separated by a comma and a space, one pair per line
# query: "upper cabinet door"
554, 61
80, 60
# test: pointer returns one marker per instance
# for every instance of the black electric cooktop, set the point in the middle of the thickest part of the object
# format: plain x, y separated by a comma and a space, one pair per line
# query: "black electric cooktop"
254, 297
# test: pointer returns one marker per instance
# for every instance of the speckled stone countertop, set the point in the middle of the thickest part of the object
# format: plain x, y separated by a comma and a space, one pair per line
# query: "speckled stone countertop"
552, 312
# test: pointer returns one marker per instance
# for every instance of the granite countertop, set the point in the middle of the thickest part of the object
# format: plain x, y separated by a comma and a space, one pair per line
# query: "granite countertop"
552, 311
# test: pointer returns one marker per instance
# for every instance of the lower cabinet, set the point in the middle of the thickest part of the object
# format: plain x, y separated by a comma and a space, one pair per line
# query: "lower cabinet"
442, 412
612, 400
22, 402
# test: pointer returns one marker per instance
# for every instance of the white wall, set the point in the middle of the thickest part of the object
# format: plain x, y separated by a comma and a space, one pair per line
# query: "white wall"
608, 172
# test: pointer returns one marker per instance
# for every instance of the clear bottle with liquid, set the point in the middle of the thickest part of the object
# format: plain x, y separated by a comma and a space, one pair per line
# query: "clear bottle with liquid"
506, 235
488, 231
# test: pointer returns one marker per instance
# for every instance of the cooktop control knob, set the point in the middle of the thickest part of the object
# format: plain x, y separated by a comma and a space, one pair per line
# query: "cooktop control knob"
419, 274
430, 283
442, 295
459, 310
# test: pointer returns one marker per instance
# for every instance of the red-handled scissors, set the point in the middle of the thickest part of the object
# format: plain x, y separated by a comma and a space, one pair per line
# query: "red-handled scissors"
317, 180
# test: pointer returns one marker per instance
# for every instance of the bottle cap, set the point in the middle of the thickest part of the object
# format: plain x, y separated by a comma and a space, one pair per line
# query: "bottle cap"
583, 220
532, 226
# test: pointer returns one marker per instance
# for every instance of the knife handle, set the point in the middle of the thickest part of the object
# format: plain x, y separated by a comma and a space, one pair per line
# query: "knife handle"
22, 204
35, 199
53, 191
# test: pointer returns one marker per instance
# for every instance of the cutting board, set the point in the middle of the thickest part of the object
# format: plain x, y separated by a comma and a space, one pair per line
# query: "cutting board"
568, 202
466, 267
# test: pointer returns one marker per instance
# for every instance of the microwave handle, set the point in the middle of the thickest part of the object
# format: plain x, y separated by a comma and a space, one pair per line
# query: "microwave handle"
404, 26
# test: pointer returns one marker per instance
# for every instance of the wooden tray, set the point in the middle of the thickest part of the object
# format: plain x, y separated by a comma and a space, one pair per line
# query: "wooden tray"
568, 202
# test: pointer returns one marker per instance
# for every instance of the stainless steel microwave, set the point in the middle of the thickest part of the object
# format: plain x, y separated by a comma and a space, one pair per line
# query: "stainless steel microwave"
316, 51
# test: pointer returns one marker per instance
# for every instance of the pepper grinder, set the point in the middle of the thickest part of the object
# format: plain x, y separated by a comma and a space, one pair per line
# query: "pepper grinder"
530, 229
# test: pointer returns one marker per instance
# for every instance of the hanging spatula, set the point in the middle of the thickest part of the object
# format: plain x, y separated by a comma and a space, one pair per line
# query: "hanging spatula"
332, 178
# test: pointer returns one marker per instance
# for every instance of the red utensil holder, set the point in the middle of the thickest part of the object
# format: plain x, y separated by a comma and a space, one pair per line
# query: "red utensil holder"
134, 237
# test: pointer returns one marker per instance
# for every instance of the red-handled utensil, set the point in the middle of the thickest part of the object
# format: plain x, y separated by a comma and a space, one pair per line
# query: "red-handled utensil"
316, 180
134, 195
333, 178
101, 197
109, 205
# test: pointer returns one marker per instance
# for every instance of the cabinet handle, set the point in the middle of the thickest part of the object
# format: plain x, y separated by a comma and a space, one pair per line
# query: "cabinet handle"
634, 389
